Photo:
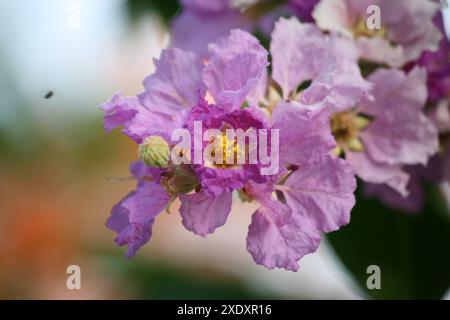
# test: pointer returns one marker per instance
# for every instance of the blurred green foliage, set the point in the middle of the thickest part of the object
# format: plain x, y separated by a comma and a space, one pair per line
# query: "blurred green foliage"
149, 279
413, 252
166, 9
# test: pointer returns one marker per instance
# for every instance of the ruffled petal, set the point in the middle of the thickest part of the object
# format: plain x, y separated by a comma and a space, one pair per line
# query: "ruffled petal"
172, 89
305, 135
392, 88
147, 202
400, 133
408, 24
215, 181
322, 192
402, 137
280, 244
380, 173
235, 67
202, 214
143, 173
341, 83
298, 52
129, 113
134, 216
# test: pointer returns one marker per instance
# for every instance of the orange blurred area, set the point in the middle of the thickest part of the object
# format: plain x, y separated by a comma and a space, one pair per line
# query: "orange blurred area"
49, 212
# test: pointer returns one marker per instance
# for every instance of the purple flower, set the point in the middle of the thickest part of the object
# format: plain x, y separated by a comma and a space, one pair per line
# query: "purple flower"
407, 28
437, 170
202, 21
302, 53
381, 136
133, 217
229, 90
315, 193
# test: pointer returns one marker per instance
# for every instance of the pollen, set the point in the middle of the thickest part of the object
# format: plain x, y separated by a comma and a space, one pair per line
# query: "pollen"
360, 29
346, 127
229, 148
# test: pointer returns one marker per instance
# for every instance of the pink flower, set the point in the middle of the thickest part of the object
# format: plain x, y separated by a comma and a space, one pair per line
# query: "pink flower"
314, 188
407, 28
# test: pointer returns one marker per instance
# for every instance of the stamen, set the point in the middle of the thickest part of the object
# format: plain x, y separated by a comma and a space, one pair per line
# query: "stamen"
360, 29
346, 127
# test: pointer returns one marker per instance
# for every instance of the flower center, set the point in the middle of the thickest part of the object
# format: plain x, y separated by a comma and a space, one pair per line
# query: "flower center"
360, 29
229, 150
345, 127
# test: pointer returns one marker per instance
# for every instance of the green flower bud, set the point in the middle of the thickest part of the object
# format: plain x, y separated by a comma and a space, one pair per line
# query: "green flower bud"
155, 152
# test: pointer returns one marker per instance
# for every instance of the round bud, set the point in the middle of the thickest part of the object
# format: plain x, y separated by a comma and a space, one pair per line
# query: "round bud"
154, 151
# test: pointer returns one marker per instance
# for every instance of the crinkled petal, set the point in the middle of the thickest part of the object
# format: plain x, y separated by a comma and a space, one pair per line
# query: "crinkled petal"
276, 245
400, 133
408, 24
143, 173
392, 88
298, 52
380, 173
305, 135
147, 202
322, 192
215, 181
262, 192
343, 47
172, 89
340, 81
202, 214
258, 93
129, 113
133, 218
381, 51
235, 67
401, 137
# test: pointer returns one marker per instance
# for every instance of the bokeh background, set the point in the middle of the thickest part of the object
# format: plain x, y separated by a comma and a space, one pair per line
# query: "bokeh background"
59, 170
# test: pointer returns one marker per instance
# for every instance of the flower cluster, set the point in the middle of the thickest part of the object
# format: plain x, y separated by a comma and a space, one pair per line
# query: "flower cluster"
332, 124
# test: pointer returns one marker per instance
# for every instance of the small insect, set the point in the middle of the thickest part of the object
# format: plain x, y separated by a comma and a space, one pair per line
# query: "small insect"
49, 94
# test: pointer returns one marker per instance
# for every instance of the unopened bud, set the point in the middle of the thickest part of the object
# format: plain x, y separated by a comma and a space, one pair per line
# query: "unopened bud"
154, 151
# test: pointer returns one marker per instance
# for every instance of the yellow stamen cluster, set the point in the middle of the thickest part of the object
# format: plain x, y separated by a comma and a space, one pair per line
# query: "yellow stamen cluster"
229, 148
360, 29
346, 127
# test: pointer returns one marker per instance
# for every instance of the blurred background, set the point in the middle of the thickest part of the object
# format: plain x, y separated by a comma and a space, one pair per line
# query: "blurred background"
56, 193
